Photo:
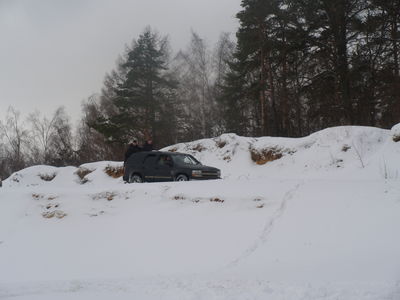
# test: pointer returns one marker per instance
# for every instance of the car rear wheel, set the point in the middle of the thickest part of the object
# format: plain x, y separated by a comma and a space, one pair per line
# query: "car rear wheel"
135, 178
181, 177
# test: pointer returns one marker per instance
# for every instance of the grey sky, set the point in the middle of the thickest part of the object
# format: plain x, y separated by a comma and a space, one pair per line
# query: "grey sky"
56, 52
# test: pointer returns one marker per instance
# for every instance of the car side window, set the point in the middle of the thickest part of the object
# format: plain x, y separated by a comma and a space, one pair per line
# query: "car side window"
164, 160
149, 161
186, 159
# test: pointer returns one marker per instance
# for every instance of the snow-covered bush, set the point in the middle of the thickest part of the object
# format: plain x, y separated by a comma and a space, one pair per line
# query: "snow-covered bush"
396, 133
47, 177
114, 171
262, 156
82, 172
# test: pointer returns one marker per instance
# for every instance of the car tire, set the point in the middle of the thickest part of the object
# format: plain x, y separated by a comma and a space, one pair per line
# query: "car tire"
181, 177
135, 178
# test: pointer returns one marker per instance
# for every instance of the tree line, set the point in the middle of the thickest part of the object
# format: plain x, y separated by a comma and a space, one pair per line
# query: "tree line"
303, 65
296, 66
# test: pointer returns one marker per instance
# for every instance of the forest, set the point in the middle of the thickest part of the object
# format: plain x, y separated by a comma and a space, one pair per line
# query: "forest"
293, 67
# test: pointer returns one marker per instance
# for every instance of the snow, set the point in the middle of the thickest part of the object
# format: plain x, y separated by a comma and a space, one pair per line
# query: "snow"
396, 129
321, 222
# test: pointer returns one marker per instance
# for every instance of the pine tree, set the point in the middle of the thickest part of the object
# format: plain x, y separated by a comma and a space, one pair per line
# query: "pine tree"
144, 96
261, 59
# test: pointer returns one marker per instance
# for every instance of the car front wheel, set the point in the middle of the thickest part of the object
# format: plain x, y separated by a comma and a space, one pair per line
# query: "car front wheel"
181, 177
135, 178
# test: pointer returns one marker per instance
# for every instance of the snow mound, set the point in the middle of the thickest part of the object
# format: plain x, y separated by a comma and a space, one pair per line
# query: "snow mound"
91, 173
40, 175
102, 172
349, 150
396, 133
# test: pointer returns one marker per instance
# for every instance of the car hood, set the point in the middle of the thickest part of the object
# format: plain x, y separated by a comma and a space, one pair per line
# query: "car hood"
204, 168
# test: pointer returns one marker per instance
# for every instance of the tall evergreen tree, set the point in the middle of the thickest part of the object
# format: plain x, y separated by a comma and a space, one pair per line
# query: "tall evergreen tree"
265, 54
144, 96
254, 55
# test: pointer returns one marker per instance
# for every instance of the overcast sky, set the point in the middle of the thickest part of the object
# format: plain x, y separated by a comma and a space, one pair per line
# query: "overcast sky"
56, 52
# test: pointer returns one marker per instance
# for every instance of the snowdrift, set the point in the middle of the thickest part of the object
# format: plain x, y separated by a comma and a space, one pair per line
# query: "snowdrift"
309, 218
349, 151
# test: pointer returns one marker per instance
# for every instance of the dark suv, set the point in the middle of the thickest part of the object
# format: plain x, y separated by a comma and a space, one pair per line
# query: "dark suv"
166, 166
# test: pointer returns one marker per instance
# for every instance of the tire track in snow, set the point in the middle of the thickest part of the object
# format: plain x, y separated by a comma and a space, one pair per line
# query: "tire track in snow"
269, 225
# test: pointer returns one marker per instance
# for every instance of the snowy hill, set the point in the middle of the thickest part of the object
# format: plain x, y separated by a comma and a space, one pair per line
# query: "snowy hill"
310, 218
333, 151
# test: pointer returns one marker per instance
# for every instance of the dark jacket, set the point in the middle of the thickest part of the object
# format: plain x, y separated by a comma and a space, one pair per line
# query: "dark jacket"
147, 147
131, 149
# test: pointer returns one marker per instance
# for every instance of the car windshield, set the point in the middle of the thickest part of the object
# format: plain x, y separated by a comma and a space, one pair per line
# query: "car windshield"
186, 160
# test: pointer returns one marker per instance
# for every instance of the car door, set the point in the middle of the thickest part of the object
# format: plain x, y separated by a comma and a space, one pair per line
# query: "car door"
163, 168
149, 167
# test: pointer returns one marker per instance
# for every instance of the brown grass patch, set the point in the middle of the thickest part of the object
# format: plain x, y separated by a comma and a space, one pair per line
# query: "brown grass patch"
37, 196
174, 149
49, 206
216, 199
198, 147
47, 177
82, 172
396, 138
262, 156
227, 158
109, 196
114, 172
220, 143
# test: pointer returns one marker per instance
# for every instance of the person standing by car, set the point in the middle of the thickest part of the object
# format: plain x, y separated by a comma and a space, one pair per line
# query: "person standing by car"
148, 145
132, 148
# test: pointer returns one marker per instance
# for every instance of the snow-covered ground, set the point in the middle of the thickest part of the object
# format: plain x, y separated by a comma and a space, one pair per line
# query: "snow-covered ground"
320, 222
